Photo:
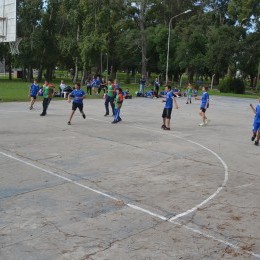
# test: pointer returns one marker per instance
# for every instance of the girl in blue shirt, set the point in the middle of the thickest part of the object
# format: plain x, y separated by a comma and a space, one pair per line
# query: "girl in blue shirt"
203, 106
33, 92
167, 111
78, 96
256, 124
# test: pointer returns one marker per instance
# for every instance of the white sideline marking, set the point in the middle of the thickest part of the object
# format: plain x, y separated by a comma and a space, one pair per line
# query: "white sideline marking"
147, 211
131, 205
59, 176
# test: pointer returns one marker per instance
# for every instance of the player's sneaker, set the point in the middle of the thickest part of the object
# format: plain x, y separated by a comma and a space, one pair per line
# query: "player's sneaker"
69, 123
163, 127
84, 116
253, 138
30, 107
256, 142
167, 128
201, 124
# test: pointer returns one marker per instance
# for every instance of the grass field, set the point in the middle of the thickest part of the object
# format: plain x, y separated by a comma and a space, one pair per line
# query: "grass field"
17, 90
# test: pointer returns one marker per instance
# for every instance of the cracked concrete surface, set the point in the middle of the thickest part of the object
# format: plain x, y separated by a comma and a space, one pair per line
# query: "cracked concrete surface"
45, 217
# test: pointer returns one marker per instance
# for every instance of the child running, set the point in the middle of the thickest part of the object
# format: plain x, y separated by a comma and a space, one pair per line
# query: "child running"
203, 106
118, 104
78, 96
256, 124
33, 92
166, 115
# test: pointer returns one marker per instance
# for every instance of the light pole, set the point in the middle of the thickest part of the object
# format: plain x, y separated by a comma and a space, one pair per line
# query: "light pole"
168, 46
212, 81
107, 68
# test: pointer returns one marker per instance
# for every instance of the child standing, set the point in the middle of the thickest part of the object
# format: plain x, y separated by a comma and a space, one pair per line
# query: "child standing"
33, 92
256, 124
109, 98
203, 106
189, 94
118, 104
78, 96
48, 92
166, 115
156, 87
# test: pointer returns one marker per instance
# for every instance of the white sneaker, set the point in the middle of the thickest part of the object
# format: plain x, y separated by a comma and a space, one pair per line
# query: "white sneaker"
201, 124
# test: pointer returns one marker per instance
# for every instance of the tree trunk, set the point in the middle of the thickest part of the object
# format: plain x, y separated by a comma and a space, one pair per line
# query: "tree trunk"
39, 78
190, 75
75, 78
24, 74
10, 70
216, 79
30, 73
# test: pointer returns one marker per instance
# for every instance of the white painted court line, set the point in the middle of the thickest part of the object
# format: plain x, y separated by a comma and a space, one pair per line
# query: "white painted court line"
131, 205
59, 176
219, 189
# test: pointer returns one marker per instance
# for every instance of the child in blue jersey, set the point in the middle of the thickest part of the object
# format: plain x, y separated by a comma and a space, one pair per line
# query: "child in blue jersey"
33, 92
203, 106
256, 124
78, 96
166, 115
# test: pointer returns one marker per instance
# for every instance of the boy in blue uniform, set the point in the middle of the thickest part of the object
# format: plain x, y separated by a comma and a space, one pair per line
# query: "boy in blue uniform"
33, 92
78, 96
203, 106
166, 115
256, 124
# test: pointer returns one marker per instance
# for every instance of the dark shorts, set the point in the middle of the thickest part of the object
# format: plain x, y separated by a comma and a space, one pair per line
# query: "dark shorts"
76, 105
167, 113
256, 126
34, 97
203, 109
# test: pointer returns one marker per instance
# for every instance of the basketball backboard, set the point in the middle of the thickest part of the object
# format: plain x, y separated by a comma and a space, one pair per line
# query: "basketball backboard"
7, 20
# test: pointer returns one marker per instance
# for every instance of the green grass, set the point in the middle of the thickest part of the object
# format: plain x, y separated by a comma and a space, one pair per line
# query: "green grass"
17, 90
217, 93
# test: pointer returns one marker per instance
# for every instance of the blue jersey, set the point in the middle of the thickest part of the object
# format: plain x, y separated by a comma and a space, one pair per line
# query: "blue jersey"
257, 114
169, 97
34, 89
98, 82
78, 95
204, 100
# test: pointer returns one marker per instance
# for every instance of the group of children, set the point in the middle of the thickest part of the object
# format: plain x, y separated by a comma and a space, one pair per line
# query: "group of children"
171, 96
115, 97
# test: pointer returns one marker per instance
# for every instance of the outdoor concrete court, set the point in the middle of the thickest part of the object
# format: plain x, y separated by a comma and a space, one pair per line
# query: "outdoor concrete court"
94, 190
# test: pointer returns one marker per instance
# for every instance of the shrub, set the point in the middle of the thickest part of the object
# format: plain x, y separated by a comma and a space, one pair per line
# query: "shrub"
230, 85
225, 85
239, 86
